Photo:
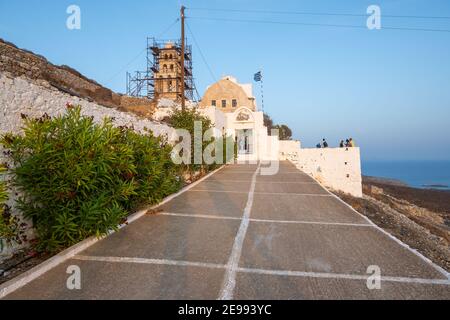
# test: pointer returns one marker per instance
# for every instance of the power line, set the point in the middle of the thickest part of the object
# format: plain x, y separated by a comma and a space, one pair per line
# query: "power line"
168, 28
316, 24
317, 13
144, 50
201, 53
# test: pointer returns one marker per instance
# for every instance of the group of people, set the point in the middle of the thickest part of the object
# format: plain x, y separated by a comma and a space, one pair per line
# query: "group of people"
349, 143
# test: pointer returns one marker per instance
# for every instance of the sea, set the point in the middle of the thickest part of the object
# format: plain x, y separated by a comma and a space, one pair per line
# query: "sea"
417, 174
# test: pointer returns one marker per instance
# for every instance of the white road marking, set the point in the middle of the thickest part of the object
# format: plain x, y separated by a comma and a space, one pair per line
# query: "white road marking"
207, 216
190, 215
266, 193
229, 282
342, 276
150, 261
32, 274
218, 191
312, 222
232, 171
295, 194
262, 182
398, 241
289, 273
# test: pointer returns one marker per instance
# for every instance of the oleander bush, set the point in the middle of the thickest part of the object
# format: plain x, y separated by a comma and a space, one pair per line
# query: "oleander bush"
79, 178
185, 119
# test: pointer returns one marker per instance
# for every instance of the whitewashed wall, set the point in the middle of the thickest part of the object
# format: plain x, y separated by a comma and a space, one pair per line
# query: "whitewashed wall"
20, 96
288, 148
336, 168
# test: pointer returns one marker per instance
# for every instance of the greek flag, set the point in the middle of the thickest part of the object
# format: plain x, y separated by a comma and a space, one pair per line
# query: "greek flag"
258, 76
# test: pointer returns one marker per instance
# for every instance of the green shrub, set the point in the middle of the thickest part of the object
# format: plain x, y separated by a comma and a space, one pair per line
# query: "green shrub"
229, 149
186, 119
80, 179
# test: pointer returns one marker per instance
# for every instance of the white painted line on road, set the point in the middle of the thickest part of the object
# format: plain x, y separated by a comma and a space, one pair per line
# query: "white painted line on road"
305, 274
285, 182
150, 261
230, 170
220, 180
203, 216
237, 171
341, 276
171, 197
32, 274
208, 216
401, 243
279, 181
295, 194
218, 191
229, 282
312, 222
262, 182
265, 193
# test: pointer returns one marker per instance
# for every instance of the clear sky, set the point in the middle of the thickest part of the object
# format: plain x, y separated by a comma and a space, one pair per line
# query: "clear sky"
388, 89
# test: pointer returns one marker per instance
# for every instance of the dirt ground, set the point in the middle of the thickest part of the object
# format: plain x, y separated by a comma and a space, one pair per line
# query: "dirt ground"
20, 263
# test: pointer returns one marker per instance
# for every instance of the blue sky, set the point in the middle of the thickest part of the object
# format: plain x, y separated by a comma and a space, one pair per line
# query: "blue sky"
388, 89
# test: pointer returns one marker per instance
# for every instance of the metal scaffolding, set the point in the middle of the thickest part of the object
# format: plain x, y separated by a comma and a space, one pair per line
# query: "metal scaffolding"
157, 82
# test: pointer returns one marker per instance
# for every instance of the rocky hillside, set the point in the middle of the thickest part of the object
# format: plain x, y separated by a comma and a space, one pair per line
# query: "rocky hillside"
22, 63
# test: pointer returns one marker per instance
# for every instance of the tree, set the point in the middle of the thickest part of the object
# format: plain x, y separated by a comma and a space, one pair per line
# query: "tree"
268, 122
285, 133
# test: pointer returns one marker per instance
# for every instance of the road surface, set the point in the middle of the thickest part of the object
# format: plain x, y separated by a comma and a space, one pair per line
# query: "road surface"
242, 235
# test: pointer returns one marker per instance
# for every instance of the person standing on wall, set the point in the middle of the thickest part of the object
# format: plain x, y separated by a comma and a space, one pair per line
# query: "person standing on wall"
351, 143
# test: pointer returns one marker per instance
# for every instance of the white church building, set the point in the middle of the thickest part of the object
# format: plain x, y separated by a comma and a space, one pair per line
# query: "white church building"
232, 109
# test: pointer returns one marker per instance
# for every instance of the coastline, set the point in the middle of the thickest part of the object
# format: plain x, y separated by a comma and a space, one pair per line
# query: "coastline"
437, 200
419, 174
399, 182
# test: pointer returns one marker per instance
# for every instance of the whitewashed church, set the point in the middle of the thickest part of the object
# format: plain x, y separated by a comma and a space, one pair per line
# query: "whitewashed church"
232, 107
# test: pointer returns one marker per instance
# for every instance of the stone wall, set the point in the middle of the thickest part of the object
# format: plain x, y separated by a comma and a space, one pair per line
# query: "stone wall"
335, 168
22, 63
19, 95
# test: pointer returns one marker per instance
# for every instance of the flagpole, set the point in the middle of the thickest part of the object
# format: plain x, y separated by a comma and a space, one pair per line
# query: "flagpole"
258, 77
262, 92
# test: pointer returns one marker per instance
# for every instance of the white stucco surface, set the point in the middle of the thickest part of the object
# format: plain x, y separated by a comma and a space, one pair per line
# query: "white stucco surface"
288, 148
336, 168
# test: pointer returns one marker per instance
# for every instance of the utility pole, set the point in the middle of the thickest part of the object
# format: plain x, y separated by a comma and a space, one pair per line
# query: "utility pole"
183, 97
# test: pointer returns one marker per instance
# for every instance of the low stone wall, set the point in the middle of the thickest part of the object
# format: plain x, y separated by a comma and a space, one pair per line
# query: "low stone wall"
336, 168
22, 63
22, 96
288, 148
140, 106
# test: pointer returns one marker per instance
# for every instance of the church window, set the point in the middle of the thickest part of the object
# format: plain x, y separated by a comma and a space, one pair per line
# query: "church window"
213, 103
224, 103
234, 103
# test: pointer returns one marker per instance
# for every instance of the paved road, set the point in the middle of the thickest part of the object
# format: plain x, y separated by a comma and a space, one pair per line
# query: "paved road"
241, 235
